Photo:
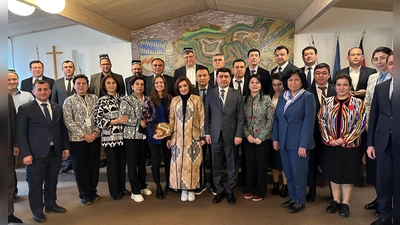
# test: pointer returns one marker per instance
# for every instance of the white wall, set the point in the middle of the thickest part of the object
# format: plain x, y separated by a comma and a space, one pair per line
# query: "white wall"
351, 23
89, 43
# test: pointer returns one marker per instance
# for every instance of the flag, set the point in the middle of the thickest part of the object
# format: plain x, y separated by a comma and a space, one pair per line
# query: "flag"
37, 53
362, 50
336, 65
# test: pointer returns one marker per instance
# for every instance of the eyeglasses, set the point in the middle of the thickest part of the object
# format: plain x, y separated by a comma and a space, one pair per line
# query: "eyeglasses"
319, 73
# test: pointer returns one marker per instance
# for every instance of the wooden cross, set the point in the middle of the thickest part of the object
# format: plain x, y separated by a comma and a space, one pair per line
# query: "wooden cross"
54, 53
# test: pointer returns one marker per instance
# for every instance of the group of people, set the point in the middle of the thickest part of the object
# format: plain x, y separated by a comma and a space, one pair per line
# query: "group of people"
292, 120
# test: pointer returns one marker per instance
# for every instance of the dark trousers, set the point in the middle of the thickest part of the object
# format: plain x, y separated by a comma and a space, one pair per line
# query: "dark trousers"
116, 162
43, 171
220, 151
157, 151
313, 162
85, 161
11, 184
384, 184
296, 170
203, 175
256, 167
136, 151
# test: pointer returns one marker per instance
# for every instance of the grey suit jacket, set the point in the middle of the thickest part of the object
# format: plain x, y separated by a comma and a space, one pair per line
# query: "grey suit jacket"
34, 133
59, 91
381, 117
228, 120
95, 84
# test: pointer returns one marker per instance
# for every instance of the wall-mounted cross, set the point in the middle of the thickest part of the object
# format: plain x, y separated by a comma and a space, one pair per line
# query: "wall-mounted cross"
54, 53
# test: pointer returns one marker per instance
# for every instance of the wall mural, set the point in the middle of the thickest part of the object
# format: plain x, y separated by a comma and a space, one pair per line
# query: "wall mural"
219, 32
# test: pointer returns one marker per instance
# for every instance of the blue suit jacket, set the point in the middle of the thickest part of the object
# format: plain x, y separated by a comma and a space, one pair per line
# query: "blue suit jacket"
295, 128
34, 133
381, 118
228, 120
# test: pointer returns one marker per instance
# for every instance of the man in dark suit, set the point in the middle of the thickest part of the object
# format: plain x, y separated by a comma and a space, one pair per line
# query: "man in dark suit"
239, 81
12, 151
321, 89
380, 146
37, 68
203, 78
218, 62
224, 117
158, 65
281, 58
95, 88
189, 69
43, 142
359, 74
253, 59
63, 88
310, 57
136, 72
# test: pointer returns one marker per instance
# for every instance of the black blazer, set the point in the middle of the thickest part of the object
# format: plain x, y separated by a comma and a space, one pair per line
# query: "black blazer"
59, 91
212, 81
381, 117
245, 85
128, 87
365, 72
265, 79
289, 67
34, 133
27, 84
170, 84
329, 92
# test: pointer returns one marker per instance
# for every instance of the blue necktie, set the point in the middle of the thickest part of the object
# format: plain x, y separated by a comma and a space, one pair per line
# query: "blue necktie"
46, 112
381, 78
221, 99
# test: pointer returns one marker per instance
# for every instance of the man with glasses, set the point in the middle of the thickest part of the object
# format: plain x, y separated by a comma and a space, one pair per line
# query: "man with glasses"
37, 68
321, 89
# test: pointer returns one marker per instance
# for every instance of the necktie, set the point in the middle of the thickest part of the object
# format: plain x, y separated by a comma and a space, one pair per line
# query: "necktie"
204, 94
253, 72
46, 112
69, 87
279, 69
221, 99
309, 76
239, 86
323, 92
381, 78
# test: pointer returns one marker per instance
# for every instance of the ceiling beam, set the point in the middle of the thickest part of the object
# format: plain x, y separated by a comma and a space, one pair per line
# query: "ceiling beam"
75, 11
312, 13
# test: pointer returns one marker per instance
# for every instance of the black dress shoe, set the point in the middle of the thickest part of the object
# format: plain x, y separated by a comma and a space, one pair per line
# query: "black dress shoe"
66, 168
275, 189
56, 209
381, 221
116, 197
217, 199
372, 205
295, 208
344, 211
148, 162
160, 194
284, 192
231, 198
288, 203
333, 207
103, 163
310, 197
14, 219
39, 218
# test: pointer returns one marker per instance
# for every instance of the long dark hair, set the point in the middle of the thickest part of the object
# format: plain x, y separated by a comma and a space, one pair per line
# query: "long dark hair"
154, 94
258, 77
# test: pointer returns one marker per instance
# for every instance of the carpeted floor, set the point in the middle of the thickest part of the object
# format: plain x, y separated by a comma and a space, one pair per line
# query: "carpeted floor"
172, 211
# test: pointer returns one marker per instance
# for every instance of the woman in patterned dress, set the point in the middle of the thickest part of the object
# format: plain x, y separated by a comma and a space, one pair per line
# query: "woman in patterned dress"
134, 141
107, 119
187, 125
342, 120
257, 127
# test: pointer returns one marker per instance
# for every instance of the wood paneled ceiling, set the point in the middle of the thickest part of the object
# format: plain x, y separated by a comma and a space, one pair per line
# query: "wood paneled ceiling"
118, 17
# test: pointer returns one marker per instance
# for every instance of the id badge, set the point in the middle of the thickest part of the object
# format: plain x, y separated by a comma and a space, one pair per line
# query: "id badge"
88, 122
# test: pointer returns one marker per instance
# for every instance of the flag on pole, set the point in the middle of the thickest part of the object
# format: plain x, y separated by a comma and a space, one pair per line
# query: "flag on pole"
362, 48
37, 53
336, 65
313, 44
